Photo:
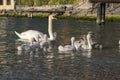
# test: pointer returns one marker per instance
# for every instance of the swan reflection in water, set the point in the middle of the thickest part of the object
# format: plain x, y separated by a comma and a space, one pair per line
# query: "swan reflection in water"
25, 48
21, 51
87, 53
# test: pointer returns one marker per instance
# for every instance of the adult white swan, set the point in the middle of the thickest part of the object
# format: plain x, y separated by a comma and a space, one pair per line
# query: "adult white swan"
37, 35
67, 48
30, 35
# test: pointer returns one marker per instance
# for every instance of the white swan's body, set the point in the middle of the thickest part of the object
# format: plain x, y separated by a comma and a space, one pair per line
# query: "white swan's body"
37, 35
34, 35
67, 48
87, 46
31, 35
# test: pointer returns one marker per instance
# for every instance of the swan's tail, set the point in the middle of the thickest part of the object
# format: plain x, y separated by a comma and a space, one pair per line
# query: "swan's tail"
18, 34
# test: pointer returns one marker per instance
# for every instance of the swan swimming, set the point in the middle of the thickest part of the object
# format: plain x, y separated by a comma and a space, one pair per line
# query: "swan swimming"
87, 46
80, 42
31, 35
34, 35
67, 48
87, 43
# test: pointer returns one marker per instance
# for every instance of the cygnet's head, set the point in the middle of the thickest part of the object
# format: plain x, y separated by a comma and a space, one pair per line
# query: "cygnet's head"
72, 39
90, 34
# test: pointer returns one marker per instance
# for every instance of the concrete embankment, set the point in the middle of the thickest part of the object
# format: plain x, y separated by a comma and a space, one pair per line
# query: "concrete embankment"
71, 11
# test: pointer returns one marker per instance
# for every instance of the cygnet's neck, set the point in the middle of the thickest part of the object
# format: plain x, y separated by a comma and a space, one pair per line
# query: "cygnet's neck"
72, 42
45, 38
88, 41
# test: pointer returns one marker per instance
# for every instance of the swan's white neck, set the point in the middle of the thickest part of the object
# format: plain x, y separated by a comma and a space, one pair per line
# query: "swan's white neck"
50, 28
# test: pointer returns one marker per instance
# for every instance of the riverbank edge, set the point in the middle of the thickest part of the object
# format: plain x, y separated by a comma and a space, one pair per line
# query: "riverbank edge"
65, 16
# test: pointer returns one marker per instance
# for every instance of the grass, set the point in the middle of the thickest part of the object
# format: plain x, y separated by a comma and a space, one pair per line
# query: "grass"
65, 16
113, 18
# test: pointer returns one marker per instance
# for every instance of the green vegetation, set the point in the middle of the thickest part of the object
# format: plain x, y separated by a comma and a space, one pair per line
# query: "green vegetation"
45, 2
45, 15
13, 15
113, 18
65, 16
24, 15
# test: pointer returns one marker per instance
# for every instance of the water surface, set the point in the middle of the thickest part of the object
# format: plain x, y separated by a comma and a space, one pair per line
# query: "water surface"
95, 65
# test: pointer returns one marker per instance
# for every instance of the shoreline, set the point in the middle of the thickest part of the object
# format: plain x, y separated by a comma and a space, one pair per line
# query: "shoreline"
65, 16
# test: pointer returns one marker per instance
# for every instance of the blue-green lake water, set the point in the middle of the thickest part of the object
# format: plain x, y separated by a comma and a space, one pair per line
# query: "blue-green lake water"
95, 65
